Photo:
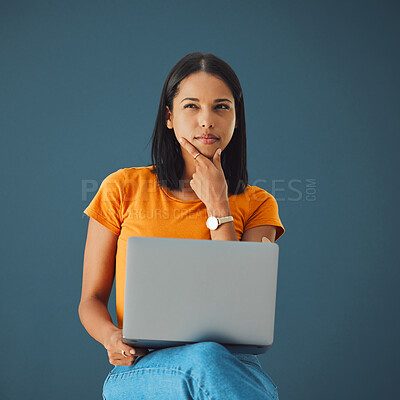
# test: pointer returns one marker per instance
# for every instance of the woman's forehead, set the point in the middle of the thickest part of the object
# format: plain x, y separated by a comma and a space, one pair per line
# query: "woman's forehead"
203, 85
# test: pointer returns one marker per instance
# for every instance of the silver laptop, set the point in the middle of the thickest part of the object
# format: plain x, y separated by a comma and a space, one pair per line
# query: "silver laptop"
183, 291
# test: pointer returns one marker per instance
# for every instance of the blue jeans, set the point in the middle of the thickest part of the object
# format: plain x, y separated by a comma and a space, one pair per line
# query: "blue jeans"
201, 371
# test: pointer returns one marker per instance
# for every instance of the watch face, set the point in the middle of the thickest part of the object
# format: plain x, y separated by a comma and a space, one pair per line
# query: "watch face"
212, 223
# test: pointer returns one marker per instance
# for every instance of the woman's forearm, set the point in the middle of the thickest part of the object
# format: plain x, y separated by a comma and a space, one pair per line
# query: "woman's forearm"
227, 230
96, 319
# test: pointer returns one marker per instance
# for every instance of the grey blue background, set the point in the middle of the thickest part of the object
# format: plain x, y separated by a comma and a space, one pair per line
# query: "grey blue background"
80, 84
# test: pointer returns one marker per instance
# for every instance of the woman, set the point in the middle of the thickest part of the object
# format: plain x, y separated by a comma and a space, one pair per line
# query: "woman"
201, 112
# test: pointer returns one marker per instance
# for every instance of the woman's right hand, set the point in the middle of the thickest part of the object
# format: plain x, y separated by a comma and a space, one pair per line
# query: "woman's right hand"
114, 346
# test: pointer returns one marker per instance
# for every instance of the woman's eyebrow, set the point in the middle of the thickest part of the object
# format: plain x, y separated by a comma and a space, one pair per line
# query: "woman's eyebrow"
215, 101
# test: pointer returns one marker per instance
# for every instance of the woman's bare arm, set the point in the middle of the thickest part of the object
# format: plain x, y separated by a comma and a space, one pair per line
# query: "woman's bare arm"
98, 278
97, 281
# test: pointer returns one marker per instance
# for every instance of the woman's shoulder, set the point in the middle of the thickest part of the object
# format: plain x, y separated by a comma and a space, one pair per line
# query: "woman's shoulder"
138, 173
129, 174
255, 193
144, 169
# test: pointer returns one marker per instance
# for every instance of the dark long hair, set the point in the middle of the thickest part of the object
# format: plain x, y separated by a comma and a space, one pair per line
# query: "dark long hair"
166, 153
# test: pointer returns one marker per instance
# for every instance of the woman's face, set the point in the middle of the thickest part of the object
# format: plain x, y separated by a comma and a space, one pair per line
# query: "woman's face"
203, 106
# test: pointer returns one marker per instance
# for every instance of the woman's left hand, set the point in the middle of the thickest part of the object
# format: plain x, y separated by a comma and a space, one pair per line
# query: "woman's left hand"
208, 182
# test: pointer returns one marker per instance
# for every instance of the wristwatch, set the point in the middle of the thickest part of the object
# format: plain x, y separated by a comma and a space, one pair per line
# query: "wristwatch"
213, 222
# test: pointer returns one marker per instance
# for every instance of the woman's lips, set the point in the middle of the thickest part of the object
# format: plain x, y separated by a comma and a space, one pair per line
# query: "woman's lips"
206, 141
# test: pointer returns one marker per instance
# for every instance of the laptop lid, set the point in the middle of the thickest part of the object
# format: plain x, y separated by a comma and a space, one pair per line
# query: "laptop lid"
182, 291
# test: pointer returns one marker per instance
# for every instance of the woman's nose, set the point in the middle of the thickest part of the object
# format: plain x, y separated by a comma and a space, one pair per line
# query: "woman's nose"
206, 120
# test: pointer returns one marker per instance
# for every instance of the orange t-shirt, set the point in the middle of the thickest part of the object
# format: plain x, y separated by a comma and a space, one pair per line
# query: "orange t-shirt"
130, 203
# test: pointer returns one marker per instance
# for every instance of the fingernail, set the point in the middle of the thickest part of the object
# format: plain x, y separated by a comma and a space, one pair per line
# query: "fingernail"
219, 151
181, 140
132, 351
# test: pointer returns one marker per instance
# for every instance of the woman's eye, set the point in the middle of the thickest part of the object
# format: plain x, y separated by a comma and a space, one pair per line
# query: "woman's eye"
223, 105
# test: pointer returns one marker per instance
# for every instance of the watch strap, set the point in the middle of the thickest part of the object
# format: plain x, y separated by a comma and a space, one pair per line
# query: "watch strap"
222, 220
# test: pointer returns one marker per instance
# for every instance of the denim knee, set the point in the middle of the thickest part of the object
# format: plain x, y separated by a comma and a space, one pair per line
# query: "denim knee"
206, 349
205, 369
205, 353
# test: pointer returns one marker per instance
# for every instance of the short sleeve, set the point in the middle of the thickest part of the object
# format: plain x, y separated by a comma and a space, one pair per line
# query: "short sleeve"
105, 206
264, 211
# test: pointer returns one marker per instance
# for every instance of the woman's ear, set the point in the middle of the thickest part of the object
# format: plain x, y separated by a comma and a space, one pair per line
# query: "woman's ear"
168, 120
